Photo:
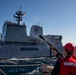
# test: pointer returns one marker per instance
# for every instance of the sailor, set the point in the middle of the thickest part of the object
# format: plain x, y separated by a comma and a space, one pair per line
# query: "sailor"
66, 65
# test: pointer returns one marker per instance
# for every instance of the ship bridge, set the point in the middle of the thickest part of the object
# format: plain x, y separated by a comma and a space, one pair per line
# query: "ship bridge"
15, 31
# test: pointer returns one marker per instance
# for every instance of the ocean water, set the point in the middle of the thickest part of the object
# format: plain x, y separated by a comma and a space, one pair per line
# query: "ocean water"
30, 66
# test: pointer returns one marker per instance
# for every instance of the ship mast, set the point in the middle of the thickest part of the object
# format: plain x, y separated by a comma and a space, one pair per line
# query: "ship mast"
18, 15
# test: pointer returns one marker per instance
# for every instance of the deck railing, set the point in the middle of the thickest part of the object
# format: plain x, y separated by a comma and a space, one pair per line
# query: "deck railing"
2, 72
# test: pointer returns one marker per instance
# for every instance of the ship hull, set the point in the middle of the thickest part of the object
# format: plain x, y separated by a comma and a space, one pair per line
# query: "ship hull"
10, 51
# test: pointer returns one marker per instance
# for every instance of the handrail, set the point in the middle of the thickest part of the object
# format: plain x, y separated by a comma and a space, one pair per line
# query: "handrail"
2, 72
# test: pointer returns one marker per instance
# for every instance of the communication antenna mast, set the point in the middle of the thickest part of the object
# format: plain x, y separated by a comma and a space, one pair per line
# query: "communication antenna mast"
18, 15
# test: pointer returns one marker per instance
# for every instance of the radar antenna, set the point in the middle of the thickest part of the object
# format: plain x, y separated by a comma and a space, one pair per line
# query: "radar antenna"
18, 15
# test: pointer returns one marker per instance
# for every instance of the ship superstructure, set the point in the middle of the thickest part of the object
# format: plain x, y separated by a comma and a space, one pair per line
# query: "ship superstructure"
22, 54
16, 43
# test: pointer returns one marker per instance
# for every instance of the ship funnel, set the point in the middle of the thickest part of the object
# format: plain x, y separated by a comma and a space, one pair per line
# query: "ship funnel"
36, 31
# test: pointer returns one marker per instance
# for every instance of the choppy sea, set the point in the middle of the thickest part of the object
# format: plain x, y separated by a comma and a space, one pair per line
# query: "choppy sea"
28, 66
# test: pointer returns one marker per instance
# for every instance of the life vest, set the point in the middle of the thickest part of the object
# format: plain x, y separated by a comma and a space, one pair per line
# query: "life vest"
67, 66
74, 56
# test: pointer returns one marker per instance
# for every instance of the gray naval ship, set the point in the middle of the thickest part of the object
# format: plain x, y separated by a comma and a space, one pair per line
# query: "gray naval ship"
21, 54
